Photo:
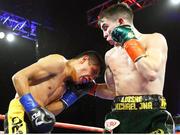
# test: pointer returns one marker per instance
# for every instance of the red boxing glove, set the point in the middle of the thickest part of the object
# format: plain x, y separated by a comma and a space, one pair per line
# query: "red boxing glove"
134, 49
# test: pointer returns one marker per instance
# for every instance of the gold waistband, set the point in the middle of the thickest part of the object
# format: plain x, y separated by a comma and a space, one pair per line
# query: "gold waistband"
142, 102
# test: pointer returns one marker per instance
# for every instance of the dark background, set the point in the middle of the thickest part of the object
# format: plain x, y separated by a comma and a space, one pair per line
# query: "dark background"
71, 36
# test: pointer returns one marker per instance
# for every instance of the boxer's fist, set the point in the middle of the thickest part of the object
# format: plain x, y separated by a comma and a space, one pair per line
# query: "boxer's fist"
80, 89
76, 91
126, 37
42, 120
123, 33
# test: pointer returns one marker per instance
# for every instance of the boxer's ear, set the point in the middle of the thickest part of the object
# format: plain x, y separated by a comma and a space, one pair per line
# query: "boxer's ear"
84, 58
121, 21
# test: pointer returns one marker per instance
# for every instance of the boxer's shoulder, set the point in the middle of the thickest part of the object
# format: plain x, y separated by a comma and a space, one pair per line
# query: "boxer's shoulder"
153, 36
154, 39
53, 58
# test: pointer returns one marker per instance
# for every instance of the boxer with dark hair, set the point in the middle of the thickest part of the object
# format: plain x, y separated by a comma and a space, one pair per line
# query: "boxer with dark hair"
45, 88
134, 76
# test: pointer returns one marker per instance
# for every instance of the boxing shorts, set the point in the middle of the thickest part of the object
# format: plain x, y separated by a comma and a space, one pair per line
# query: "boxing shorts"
14, 120
139, 114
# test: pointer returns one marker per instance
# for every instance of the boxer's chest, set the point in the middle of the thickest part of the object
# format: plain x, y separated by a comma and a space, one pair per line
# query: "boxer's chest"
119, 61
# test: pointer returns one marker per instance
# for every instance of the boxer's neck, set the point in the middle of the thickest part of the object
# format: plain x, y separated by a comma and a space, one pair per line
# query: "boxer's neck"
136, 32
70, 69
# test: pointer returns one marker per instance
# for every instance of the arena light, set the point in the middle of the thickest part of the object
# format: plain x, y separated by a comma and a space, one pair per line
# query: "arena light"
175, 2
10, 37
2, 35
19, 25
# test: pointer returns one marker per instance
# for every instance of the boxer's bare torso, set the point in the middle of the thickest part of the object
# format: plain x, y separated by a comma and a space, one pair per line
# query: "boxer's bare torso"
48, 91
46, 80
122, 76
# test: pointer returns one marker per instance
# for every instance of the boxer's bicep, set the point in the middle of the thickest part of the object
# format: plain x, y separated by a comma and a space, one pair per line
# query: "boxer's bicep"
109, 79
106, 90
156, 56
156, 52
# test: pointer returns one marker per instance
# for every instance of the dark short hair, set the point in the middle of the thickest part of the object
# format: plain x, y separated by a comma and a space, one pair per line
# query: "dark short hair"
95, 59
116, 10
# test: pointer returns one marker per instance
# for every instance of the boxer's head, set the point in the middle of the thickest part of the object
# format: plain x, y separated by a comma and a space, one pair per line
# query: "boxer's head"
89, 65
111, 17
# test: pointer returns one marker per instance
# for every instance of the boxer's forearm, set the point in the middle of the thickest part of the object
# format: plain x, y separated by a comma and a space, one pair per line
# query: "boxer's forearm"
102, 91
21, 84
56, 107
149, 67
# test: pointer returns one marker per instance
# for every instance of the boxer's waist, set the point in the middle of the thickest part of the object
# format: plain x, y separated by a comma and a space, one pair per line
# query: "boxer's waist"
139, 102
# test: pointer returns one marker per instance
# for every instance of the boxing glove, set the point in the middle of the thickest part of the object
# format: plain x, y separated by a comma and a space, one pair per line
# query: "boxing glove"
126, 37
123, 33
76, 91
42, 120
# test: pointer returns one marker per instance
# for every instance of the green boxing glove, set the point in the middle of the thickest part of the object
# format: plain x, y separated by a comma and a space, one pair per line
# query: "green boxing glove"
126, 37
123, 33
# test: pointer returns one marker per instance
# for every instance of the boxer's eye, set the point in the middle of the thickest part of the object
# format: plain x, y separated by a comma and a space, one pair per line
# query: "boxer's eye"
104, 27
94, 73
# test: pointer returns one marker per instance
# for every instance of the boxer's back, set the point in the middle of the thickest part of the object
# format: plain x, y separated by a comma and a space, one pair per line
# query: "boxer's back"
46, 78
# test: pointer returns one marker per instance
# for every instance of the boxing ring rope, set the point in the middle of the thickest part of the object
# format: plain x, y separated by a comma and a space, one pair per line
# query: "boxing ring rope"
72, 126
